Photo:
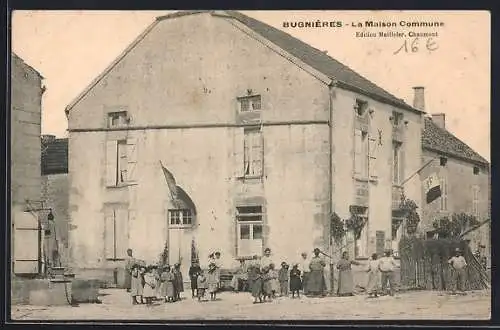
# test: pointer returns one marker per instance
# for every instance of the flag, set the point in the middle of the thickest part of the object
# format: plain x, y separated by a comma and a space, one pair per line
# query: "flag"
432, 188
172, 186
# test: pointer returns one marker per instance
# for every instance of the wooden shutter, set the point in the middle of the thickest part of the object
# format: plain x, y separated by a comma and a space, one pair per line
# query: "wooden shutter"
109, 234
239, 154
402, 158
131, 159
111, 163
380, 242
26, 243
358, 152
372, 154
121, 232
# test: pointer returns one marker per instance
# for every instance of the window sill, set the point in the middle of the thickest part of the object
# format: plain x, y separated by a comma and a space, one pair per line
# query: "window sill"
180, 226
361, 258
122, 185
115, 259
360, 178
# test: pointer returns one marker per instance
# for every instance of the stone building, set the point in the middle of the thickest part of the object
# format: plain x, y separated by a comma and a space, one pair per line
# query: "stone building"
464, 179
26, 103
55, 194
264, 135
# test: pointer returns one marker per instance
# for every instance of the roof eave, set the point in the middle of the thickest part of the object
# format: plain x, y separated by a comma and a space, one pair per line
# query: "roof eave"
484, 163
377, 97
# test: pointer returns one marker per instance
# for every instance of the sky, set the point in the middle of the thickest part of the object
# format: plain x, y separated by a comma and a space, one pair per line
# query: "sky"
70, 48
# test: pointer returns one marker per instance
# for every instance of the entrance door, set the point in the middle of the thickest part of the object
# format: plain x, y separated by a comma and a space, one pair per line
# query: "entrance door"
26, 243
180, 238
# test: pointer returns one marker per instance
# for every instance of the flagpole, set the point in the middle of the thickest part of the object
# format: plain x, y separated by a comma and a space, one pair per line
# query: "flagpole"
418, 171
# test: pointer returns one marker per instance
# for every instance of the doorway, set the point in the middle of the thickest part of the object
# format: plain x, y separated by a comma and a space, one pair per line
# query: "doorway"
180, 238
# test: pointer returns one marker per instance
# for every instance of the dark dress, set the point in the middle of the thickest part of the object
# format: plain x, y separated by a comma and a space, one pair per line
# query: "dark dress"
316, 281
178, 282
255, 280
295, 282
193, 276
267, 285
346, 284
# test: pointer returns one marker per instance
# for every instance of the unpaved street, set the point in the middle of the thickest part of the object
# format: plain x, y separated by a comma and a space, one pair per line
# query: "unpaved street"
410, 305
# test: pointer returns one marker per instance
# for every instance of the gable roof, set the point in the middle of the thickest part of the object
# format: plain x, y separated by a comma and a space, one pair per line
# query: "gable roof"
440, 140
16, 58
315, 58
55, 156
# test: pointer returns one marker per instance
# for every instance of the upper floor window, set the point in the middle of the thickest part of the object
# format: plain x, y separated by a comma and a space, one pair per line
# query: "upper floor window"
253, 153
250, 103
121, 159
182, 217
361, 108
361, 154
117, 119
397, 118
475, 170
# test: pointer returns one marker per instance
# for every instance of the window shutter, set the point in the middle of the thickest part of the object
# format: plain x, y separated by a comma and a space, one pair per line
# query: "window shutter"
402, 158
109, 234
131, 159
122, 233
258, 152
358, 161
111, 163
239, 154
372, 160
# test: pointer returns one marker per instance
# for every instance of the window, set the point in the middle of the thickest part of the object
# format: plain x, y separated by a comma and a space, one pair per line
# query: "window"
361, 154
475, 201
444, 194
121, 162
475, 170
442, 161
183, 217
116, 234
397, 118
250, 103
396, 163
253, 153
249, 230
361, 244
117, 119
360, 108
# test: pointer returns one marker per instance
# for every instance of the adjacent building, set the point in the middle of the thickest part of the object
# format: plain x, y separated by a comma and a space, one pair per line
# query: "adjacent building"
55, 194
464, 179
264, 135
26, 102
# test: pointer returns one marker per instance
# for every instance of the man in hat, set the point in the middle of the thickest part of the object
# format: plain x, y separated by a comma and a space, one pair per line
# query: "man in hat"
458, 264
386, 265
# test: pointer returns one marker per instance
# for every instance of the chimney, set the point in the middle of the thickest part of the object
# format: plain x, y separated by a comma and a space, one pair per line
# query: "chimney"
439, 119
419, 98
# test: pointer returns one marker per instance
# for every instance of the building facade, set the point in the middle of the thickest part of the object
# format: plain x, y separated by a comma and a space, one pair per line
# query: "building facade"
264, 135
26, 102
55, 194
464, 181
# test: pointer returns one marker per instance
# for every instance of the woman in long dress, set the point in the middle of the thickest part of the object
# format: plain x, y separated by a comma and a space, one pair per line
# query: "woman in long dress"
213, 281
346, 284
373, 286
316, 284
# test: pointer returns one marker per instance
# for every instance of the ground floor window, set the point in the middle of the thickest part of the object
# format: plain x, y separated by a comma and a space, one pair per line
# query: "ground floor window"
249, 222
180, 217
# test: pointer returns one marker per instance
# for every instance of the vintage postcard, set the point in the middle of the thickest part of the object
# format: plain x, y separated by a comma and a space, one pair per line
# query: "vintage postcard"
250, 165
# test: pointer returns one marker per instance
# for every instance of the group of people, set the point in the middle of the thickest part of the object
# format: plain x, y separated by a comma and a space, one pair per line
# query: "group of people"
262, 278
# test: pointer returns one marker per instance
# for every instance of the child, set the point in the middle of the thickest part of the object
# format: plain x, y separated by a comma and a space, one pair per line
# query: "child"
194, 271
283, 279
201, 285
295, 282
136, 286
142, 271
212, 281
167, 279
275, 284
255, 278
149, 285
266, 283
373, 277
179, 284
